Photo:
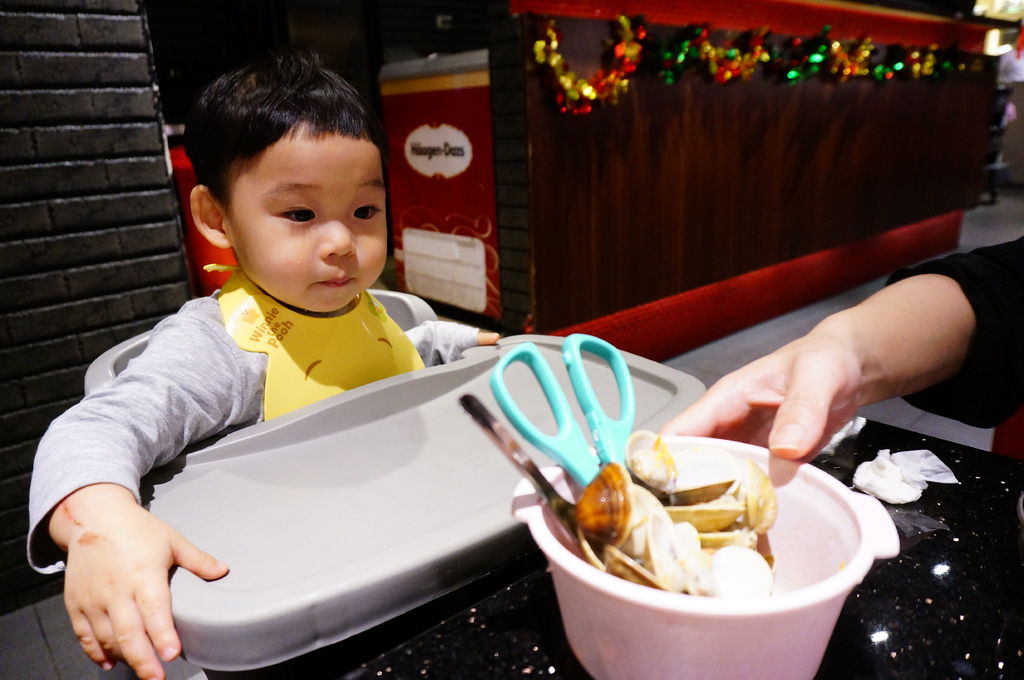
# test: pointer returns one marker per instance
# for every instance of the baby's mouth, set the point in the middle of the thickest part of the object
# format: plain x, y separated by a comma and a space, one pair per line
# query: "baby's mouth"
336, 283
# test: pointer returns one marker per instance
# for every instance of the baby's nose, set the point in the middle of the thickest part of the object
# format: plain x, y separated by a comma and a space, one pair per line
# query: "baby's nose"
337, 240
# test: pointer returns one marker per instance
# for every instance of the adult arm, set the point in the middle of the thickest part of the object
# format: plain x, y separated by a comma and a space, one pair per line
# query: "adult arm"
904, 338
989, 386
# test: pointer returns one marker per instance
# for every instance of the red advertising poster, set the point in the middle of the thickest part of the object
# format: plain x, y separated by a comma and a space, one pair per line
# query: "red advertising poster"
441, 181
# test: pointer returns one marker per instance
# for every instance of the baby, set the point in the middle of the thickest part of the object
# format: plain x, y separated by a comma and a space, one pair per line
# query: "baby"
289, 162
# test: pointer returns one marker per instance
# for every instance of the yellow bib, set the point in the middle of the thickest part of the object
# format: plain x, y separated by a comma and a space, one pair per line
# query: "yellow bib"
310, 358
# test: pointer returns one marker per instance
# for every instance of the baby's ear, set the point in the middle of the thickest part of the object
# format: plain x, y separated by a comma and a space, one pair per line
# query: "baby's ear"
209, 216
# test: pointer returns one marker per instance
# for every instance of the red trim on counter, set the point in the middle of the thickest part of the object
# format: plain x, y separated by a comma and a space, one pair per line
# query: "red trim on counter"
784, 17
668, 327
1008, 437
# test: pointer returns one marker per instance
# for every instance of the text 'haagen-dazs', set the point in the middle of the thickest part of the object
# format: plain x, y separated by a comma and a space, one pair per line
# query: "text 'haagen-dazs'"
447, 149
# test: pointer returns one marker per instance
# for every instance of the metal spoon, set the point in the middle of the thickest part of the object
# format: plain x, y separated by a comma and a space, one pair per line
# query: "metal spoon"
603, 512
563, 509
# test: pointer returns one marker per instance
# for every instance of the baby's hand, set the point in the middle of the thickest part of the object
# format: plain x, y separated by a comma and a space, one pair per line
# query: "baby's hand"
487, 337
116, 589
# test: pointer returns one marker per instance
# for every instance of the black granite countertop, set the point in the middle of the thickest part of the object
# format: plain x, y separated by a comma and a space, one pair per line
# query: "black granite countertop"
950, 605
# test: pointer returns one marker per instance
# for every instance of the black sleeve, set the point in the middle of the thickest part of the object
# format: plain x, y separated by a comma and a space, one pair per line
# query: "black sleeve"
990, 385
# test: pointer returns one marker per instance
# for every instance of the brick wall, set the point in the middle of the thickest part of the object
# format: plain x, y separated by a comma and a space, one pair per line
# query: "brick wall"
510, 169
90, 241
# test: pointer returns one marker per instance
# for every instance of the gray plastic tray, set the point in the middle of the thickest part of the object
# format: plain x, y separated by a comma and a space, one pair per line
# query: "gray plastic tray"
351, 511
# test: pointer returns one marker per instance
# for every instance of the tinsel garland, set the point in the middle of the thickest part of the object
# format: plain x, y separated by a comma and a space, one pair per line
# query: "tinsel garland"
575, 94
632, 48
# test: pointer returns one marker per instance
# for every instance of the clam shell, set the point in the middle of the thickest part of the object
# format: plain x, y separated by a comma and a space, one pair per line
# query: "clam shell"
706, 472
687, 538
650, 460
622, 565
741, 573
588, 550
694, 474
762, 504
699, 578
645, 506
605, 508
716, 515
661, 554
700, 494
714, 540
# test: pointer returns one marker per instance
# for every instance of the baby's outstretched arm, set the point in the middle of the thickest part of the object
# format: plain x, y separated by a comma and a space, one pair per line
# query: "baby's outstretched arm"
488, 337
116, 589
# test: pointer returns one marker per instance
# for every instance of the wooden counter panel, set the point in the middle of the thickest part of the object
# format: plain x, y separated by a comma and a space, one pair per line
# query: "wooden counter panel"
687, 184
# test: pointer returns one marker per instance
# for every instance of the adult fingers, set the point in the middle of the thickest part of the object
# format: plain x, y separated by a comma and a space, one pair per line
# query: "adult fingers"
716, 411
697, 419
813, 387
733, 407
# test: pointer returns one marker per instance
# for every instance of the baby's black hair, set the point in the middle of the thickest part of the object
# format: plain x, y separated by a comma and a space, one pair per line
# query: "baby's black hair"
245, 111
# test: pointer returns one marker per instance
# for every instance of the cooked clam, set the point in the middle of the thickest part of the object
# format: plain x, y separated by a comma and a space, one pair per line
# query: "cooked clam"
589, 553
645, 507
762, 505
741, 573
650, 461
622, 565
605, 509
713, 540
715, 515
692, 475
662, 554
689, 524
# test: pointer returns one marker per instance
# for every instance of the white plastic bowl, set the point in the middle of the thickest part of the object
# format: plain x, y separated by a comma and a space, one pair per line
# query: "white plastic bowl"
825, 540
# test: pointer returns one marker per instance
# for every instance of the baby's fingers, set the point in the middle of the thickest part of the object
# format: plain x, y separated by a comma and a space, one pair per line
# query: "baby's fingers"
88, 640
487, 338
155, 609
202, 564
132, 644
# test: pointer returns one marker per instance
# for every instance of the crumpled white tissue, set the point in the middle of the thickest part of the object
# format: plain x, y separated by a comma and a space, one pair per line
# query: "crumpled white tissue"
902, 476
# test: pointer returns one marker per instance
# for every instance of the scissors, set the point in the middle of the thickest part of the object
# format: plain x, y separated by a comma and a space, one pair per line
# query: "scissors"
568, 446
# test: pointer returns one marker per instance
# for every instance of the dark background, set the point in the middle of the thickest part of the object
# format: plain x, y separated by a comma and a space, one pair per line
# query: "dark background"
196, 40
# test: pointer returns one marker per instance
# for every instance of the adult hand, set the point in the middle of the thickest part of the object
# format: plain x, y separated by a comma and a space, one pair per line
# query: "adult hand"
116, 588
791, 400
906, 337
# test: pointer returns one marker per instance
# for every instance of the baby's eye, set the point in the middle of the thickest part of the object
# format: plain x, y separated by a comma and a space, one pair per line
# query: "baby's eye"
365, 212
301, 215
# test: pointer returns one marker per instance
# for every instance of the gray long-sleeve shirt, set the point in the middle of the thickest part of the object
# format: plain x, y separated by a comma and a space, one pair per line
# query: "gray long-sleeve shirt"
191, 382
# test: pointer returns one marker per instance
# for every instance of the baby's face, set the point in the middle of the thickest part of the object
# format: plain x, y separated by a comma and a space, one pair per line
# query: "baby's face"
306, 220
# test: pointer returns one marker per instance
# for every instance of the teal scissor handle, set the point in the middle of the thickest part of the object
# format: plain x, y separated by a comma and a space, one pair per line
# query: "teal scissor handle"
568, 447
610, 435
